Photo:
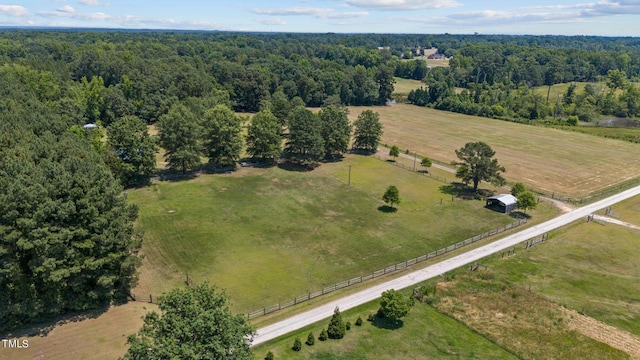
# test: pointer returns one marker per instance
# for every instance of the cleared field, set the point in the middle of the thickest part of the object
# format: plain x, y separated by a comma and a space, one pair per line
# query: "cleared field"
515, 319
404, 86
548, 160
558, 90
588, 267
99, 336
426, 334
267, 235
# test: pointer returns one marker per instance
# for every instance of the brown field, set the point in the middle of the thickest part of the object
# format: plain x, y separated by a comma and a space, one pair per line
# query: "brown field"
548, 160
102, 336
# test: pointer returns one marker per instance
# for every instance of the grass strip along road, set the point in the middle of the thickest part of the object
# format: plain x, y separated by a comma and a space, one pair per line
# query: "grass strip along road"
298, 321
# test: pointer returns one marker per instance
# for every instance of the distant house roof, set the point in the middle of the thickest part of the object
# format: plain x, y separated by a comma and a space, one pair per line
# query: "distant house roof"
506, 199
90, 126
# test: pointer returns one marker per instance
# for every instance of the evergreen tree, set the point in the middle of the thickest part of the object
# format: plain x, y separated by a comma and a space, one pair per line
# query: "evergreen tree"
305, 142
368, 131
337, 328
336, 130
68, 240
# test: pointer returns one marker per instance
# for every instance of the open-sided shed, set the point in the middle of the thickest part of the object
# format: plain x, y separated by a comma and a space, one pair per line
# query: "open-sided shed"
505, 203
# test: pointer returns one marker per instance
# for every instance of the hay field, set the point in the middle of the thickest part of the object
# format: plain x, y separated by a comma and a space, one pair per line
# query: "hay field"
549, 160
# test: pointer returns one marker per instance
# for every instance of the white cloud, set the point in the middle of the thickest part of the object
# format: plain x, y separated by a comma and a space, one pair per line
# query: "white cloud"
296, 11
348, 15
322, 13
14, 10
552, 14
403, 4
89, 2
272, 21
66, 9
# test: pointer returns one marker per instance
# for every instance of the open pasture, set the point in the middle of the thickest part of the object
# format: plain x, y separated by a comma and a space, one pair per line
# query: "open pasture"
588, 267
267, 235
404, 86
425, 334
549, 160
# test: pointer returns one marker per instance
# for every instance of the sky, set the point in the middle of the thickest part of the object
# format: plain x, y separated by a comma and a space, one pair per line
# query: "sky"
536, 17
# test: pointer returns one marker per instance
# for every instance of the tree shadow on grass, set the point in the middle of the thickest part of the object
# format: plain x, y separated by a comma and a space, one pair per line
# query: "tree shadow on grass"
465, 192
386, 323
519, 215
296, 166
50, 322
387, 209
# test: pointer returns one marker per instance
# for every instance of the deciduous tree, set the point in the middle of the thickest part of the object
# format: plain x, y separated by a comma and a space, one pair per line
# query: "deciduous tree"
263, 136
527, 200
391, 195
393, 305
477, 164
426, 162
394, 151
223, 139
128, 140
195, 323
179, 136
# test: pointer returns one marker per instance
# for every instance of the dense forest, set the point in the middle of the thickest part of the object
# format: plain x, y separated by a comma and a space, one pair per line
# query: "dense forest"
498, 80
67, 240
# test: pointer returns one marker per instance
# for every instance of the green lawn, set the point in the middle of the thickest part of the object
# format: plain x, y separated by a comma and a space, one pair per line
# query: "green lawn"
588, 267
425, 334
404, 86
267, 235
546, 159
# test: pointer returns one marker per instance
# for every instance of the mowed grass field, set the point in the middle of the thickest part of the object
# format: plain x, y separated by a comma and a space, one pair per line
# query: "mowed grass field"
549, 160
425, 334
404, 86
267, 235
588, 267
516, 302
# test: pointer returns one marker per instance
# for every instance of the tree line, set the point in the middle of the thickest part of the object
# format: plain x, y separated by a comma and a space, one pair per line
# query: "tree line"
498, 81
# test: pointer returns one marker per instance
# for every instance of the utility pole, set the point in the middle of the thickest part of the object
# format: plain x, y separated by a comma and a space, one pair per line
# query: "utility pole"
414, 161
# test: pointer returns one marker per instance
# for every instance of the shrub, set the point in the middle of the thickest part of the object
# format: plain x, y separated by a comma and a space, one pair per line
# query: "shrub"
371, 317
310, 339
348, 325
323, 335
269, 356
336, 328
297, 345
359, 321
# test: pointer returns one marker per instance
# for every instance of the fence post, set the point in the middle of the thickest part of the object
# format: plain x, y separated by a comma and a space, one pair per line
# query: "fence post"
150, 298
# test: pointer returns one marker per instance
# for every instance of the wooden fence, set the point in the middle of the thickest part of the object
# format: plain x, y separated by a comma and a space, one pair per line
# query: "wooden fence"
143, 298
411, 168
381, 272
